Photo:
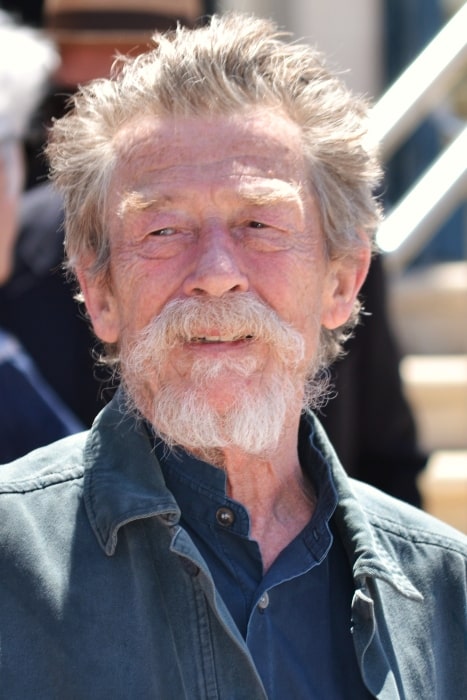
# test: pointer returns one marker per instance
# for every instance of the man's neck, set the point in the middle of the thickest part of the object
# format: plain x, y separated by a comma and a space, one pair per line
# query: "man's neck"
279, 499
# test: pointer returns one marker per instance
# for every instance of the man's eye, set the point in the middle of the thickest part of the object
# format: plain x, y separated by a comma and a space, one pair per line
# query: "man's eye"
256, 224
167, 231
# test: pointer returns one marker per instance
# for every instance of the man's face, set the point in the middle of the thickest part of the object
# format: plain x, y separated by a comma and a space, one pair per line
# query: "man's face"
212, 208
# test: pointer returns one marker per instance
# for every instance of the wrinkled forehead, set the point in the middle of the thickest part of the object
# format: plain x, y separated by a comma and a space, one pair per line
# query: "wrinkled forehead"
258, 148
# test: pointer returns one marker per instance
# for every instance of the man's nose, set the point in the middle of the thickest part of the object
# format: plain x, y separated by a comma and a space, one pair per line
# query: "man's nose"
217, 265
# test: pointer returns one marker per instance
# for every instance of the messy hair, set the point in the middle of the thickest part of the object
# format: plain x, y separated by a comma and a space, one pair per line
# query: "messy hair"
231, 64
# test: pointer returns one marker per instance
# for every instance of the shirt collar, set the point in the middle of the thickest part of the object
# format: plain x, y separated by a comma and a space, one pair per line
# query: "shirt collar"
200, 490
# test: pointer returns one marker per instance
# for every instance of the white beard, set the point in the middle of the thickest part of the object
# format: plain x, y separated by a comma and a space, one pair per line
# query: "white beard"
254, 420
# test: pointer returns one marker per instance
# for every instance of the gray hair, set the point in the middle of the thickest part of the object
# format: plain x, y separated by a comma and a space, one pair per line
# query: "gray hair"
235, 62
27, 59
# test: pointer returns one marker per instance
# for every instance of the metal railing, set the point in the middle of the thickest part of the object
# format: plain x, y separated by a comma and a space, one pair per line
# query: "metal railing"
413, 221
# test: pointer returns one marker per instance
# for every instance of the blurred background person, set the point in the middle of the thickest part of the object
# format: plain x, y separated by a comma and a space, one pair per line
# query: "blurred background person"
30, 412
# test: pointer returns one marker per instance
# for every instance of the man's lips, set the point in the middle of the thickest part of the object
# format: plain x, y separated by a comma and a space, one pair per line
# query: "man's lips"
219, 338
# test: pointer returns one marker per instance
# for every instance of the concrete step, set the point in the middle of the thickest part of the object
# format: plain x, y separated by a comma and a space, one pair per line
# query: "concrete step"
428, 307
436, 388
443, 486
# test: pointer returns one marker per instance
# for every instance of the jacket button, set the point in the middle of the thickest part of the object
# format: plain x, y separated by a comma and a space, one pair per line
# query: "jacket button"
263, 602
225, 517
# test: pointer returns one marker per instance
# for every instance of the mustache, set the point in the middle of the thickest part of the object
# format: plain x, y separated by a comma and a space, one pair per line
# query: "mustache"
237, 316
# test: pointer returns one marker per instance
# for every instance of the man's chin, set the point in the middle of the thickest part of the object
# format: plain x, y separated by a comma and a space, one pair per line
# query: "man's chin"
225, 390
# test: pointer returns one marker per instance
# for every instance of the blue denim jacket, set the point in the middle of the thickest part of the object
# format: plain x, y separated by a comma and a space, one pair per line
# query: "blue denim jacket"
104, 596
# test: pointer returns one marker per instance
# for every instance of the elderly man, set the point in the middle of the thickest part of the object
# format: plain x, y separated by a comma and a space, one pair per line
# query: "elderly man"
202, 540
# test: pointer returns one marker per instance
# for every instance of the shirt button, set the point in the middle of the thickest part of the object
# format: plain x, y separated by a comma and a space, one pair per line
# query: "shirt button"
225, 517
263, 602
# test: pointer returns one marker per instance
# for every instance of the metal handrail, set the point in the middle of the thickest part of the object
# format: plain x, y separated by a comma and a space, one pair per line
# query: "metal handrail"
412, 222
422, 85
425, 207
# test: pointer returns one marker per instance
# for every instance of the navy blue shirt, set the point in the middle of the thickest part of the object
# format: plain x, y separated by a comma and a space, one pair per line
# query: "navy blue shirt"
296, 617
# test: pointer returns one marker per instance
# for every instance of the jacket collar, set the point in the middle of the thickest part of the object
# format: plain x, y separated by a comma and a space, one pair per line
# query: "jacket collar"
124, 482
367, 554
123, 479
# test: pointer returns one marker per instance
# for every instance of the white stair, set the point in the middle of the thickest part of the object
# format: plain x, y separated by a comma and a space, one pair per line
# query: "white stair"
429, 315
443, 485
429, 309
436, 387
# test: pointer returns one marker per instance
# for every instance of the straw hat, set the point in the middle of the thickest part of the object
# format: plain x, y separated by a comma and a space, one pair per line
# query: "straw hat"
115, 21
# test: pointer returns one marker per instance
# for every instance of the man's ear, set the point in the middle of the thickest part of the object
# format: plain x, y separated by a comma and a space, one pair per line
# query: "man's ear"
345, 278
101, 304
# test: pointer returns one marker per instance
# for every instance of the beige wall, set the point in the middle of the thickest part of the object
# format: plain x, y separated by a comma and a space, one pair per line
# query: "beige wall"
348, 31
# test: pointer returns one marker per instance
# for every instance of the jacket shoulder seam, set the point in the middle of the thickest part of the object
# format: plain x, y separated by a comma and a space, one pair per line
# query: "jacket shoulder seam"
416, 535
42, 481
